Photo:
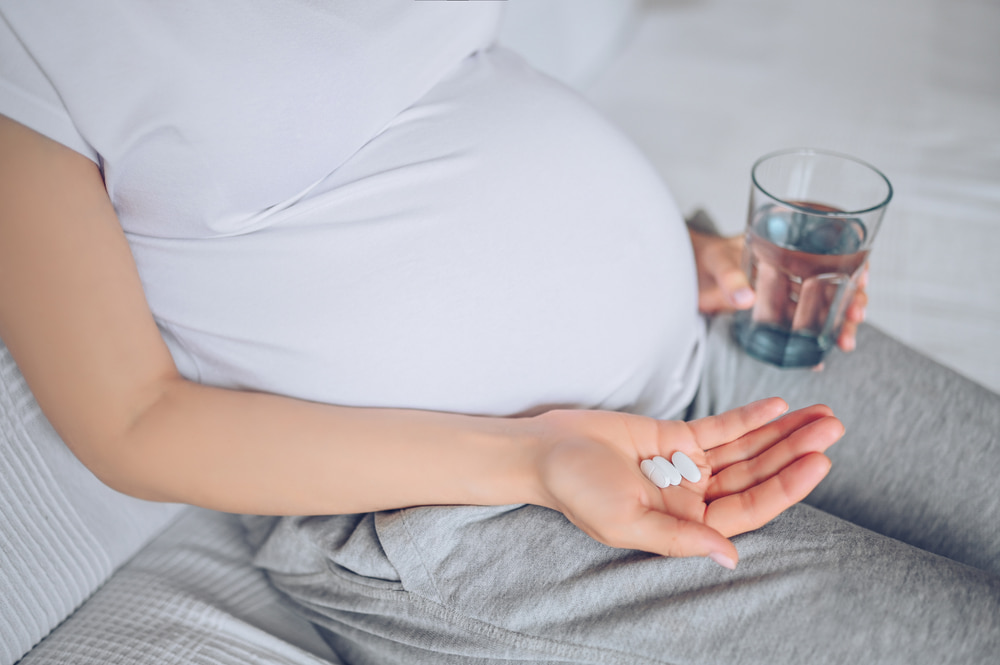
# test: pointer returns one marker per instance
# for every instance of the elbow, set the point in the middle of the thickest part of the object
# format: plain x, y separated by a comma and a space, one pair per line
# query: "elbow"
118, 466
128, 456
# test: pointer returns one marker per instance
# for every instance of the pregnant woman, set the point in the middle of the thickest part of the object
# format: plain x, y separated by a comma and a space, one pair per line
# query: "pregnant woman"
420, 313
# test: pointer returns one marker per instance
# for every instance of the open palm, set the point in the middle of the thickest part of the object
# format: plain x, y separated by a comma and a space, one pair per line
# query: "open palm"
753, 467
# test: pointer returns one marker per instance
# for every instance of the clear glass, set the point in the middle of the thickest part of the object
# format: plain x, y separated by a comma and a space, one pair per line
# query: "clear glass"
813, 218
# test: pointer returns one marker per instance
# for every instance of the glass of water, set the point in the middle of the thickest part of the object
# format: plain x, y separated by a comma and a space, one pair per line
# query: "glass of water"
813, 217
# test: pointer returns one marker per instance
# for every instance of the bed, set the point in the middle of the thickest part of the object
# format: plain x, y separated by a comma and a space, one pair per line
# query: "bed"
703, 87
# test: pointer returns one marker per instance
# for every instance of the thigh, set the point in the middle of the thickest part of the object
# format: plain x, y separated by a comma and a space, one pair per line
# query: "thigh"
921, 457
521, 584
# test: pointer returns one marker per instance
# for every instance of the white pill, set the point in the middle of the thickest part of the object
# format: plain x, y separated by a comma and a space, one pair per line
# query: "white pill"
654, 473
647, 467
686, 467
668, 469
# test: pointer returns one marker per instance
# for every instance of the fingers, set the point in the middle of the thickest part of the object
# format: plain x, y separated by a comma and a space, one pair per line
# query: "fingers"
814, 437
848, 340
663, 534
760, 438
728, 289
755, 507
855, 315
712, 300
730, 425
735, 288
723, 285
684, 502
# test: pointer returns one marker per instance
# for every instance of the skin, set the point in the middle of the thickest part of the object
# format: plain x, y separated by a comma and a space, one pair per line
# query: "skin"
74, 317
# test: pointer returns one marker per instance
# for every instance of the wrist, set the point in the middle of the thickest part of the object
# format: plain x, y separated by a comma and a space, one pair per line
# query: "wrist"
517, 451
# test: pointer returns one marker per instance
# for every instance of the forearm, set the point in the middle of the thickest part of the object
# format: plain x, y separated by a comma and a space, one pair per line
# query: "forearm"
258, 453
73, 314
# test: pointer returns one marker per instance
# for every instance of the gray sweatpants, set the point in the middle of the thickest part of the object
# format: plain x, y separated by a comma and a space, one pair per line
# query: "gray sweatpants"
895, 558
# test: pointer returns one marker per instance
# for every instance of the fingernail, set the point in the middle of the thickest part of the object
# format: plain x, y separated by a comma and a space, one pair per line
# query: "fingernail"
722, 560
743, 297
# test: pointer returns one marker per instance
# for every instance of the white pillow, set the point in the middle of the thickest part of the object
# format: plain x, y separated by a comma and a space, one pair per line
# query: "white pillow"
62, 532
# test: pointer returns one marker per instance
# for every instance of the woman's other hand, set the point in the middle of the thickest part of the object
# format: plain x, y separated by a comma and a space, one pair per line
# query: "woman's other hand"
723, 284
753, 468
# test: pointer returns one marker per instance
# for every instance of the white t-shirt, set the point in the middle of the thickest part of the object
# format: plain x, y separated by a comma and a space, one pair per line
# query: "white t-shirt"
364, 203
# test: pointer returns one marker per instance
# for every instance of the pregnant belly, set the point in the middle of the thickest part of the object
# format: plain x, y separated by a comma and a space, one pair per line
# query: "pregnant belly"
497, 249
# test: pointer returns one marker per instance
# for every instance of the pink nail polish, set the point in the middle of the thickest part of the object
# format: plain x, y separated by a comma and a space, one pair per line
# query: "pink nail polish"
743, 297
722, 560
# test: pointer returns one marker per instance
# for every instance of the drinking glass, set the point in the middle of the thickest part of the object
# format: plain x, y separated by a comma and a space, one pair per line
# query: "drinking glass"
813, 218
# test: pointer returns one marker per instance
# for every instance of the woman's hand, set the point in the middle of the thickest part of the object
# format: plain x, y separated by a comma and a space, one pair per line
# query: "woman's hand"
723, 285
753, 468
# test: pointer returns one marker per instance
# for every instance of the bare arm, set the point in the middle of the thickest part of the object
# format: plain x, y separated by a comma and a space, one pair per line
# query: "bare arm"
74, 316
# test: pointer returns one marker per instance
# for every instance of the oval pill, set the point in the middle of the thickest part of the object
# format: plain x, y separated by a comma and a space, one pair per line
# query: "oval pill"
686, 466
658, 478
655, 474
668, 469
